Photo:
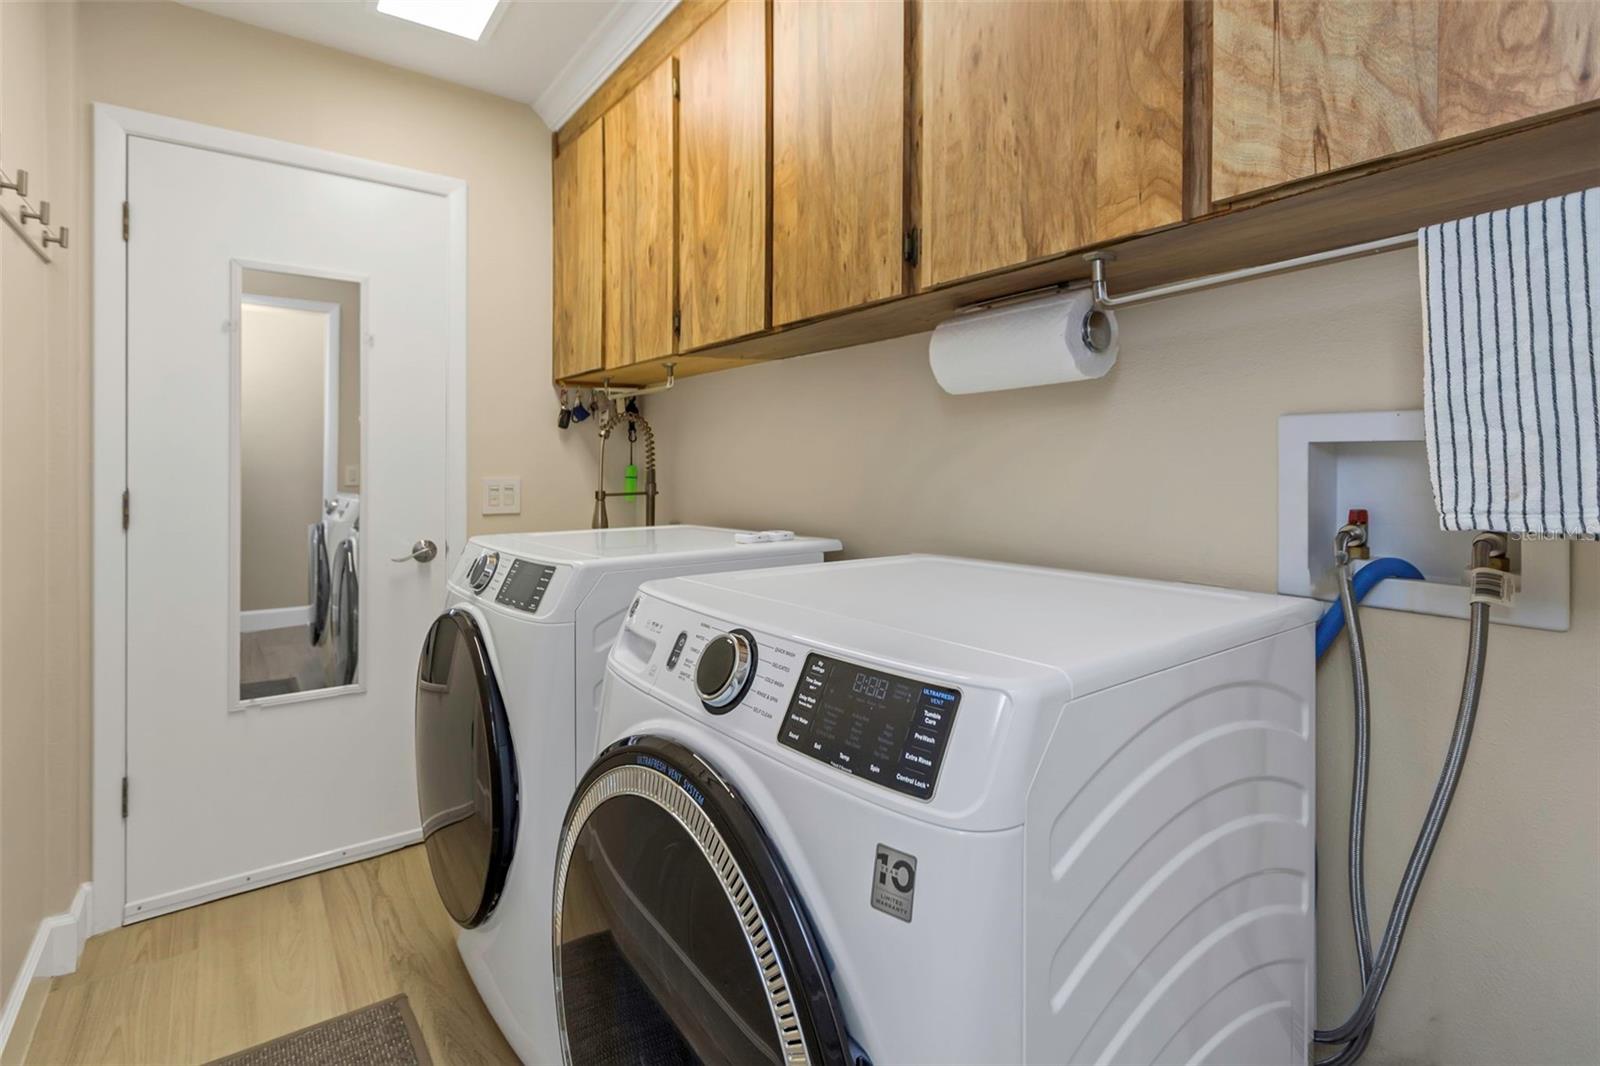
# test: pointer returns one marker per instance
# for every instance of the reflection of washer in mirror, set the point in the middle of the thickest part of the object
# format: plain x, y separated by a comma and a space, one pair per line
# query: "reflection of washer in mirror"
299, 483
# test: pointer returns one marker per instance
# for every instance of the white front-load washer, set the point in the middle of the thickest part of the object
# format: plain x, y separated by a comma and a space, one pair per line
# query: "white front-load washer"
933, 810
508, 690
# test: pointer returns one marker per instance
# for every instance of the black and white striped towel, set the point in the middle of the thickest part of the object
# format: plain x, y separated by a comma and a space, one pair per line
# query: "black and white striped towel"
1511, 396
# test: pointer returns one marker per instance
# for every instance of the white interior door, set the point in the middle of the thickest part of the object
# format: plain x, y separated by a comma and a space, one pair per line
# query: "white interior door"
229, 791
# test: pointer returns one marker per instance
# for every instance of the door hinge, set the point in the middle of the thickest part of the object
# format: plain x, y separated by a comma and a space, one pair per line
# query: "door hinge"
677, 323
913, 245
125, 502
675, 95
124, 220
124, 797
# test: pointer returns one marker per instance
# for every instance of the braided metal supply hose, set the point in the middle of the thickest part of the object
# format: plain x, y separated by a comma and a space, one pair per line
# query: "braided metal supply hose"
1355, 1032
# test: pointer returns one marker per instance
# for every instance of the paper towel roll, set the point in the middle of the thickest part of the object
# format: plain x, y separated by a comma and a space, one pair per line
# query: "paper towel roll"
1041, 342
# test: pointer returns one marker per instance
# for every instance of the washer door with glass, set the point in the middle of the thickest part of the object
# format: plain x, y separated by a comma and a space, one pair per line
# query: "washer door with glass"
678, 933
466, 771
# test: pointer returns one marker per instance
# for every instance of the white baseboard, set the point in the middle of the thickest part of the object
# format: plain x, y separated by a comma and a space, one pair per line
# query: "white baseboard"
274, 618
138, 910
57, 943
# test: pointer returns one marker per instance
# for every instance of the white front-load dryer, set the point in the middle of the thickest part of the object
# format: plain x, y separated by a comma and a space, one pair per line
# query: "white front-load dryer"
932, 810
508, 691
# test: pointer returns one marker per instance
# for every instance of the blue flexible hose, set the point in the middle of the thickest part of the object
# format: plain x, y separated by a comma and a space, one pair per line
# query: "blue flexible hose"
1332, 621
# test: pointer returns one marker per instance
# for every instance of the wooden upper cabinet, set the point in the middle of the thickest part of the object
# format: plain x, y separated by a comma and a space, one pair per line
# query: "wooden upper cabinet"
1045, 127
722, 185
838, 155
1302, 87
578, 238
640, 223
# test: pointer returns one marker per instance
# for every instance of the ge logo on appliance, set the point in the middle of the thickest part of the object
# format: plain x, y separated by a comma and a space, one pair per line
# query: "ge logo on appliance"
894, 882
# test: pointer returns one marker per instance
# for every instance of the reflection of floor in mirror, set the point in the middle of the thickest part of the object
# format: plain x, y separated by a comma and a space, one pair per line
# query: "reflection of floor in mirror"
276, 661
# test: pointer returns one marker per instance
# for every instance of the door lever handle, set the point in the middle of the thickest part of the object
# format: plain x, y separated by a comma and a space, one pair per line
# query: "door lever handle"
421, 552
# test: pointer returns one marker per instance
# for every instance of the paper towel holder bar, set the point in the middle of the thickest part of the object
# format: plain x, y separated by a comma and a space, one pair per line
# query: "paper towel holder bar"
1104, 299
1025, 296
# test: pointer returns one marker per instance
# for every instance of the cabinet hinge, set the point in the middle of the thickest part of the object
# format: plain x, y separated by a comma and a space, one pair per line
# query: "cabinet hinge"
125, 510
124, 220
913, 245
124, 797
677, 322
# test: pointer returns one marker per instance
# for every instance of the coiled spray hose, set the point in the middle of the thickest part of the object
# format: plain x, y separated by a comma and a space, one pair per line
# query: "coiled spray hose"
607, 419
1355, 1032
611, 418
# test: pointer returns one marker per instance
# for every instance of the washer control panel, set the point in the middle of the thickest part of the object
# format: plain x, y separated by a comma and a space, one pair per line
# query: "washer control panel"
525, 585
887, 728
884, 727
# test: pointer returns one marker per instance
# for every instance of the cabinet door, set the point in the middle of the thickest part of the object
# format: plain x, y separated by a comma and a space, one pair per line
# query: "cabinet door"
838, 155
641, 198
1045, 127
722, 189
1302, 87
579, 241
1508, 60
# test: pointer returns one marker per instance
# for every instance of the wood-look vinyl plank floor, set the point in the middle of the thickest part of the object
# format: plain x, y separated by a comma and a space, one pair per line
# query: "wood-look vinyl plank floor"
204, 982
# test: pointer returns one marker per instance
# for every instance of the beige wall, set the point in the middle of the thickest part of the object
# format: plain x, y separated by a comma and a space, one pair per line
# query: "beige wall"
43, 452
283, 375
347, 294
1167, 469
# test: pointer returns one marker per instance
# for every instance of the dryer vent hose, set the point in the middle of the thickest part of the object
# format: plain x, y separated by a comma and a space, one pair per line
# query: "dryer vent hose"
1355, 1032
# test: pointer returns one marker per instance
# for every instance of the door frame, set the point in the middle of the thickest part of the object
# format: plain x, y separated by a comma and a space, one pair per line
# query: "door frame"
113, 126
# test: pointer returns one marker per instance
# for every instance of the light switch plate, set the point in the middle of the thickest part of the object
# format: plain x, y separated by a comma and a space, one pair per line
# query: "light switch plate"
502, 495
352, 476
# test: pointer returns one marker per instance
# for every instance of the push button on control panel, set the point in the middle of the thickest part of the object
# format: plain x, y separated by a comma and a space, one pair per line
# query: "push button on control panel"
891, 730
677, 649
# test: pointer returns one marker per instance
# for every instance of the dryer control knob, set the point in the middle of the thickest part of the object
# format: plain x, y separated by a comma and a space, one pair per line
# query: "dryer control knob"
723, 673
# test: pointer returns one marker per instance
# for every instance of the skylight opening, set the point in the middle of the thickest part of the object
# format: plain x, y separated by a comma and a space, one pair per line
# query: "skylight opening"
463, 18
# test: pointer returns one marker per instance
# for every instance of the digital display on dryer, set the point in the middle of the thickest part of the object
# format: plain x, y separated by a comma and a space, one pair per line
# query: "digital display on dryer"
889, 729
525, 585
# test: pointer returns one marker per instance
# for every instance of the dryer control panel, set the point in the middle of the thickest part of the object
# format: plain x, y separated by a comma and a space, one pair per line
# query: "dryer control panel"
889, 729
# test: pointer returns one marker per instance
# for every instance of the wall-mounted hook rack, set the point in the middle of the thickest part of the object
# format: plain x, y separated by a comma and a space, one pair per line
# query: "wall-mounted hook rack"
28, 213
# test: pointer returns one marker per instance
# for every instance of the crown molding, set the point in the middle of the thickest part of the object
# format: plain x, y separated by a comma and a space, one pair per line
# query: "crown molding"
611, 42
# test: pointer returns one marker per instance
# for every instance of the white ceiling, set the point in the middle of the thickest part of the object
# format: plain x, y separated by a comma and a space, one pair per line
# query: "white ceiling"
550, 54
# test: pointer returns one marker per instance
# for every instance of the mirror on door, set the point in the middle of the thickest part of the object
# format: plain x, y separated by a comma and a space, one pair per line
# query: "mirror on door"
299, 477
